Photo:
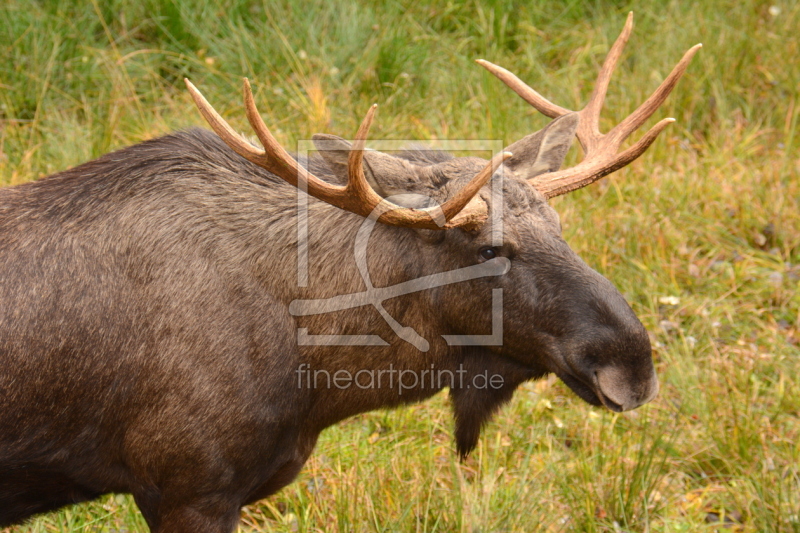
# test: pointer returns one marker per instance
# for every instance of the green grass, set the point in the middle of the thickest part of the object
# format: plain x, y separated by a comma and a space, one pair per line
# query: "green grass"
709, 215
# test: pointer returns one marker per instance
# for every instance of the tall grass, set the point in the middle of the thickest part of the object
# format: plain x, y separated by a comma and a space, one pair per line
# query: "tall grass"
708, 216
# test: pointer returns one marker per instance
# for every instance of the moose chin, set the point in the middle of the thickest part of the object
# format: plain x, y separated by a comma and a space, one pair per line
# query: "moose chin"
152, 324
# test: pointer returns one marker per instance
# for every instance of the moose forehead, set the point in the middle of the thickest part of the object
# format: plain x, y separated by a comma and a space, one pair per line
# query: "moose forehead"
449, 173
520, 199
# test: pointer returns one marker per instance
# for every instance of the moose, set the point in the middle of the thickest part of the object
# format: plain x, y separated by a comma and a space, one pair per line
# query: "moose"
154, 338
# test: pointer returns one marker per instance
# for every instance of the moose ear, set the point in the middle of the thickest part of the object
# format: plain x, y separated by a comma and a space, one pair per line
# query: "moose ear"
388, 175
545, 150
334, 150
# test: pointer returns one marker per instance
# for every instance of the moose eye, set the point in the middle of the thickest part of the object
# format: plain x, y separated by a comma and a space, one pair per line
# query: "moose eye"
487, 253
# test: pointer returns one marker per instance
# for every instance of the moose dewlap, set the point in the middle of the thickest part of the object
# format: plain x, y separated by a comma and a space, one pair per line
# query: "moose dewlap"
154, 340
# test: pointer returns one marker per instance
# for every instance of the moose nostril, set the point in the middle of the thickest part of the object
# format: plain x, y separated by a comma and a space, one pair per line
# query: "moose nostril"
617, 408
604, 399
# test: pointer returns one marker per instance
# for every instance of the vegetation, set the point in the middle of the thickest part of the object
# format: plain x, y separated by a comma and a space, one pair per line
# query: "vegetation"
702, 234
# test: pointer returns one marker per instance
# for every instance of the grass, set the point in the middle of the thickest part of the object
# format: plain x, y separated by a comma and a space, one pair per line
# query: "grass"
702, 234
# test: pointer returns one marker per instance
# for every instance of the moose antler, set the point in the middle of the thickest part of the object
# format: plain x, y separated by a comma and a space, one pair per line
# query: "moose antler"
465, 209
601, 152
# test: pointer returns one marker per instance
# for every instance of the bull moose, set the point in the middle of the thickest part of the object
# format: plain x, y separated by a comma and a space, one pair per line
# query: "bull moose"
151, 320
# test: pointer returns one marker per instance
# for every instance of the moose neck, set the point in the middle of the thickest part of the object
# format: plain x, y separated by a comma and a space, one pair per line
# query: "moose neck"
345, 380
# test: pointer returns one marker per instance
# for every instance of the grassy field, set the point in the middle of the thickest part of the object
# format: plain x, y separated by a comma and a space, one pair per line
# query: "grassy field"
702, 234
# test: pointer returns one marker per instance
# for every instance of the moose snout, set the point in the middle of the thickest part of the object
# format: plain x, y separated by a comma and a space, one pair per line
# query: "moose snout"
619, 367
606, 357
617, 380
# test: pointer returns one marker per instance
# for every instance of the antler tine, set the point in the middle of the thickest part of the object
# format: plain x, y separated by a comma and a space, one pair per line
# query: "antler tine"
626, 157
463, 197
276, 155
357, 183
539, 102
278, 161
598, 98
223, 129
646, 110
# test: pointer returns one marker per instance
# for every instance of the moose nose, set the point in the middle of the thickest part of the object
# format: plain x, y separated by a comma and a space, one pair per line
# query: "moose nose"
618, 392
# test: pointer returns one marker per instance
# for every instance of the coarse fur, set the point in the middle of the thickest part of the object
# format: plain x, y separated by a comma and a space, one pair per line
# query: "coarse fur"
146, 343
